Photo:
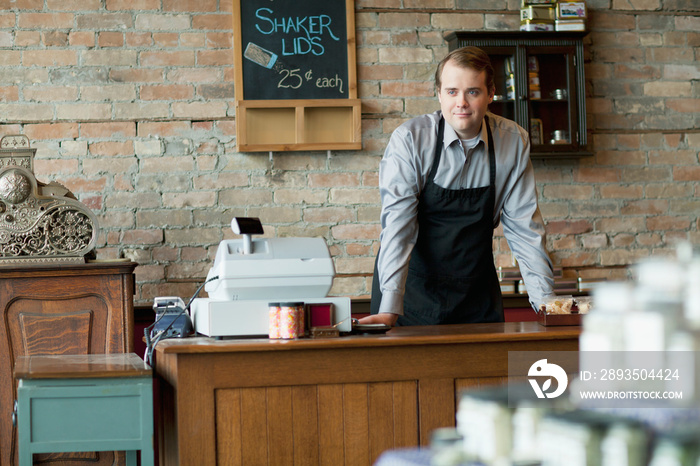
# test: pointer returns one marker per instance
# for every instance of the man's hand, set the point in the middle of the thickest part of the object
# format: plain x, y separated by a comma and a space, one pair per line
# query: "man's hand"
385, 318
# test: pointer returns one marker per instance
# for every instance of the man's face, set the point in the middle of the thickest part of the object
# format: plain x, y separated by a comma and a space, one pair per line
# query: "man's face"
464, 99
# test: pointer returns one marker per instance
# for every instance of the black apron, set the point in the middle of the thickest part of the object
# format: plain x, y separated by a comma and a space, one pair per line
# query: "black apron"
451, 274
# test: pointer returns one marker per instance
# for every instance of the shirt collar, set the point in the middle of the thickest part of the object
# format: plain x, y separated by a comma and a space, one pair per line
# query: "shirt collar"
451, 136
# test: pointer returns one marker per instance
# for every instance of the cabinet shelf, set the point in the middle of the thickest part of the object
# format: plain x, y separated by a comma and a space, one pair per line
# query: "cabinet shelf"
534, 67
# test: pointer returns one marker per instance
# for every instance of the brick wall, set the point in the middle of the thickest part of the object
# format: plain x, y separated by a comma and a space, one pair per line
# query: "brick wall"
129, 103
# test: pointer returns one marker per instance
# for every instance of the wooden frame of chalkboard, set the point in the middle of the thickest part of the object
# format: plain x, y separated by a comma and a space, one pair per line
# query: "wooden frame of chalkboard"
295, 77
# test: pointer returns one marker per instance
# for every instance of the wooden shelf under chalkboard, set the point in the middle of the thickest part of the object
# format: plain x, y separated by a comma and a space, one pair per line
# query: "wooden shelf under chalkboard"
297, 125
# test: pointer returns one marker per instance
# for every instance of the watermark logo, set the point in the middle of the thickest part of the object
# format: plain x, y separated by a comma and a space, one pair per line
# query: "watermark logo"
542, 368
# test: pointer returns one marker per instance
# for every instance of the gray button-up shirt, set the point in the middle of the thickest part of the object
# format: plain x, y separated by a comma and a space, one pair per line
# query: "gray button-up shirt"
402, 175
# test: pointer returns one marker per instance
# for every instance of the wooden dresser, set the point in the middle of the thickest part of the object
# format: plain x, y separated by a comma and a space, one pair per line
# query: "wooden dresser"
61, 309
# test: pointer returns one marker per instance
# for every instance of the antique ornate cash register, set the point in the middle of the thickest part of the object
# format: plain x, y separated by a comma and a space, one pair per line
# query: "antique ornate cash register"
55, 298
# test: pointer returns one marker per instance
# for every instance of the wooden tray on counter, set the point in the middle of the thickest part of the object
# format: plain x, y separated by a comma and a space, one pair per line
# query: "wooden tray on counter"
549, 320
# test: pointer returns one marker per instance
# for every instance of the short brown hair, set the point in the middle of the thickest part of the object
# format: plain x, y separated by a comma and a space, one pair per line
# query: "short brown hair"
468, 57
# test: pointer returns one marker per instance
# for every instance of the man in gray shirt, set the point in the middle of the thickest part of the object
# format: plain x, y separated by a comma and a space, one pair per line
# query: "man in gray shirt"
446, 180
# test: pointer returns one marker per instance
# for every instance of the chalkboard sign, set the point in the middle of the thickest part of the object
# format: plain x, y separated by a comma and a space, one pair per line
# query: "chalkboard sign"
294, 49
295, 77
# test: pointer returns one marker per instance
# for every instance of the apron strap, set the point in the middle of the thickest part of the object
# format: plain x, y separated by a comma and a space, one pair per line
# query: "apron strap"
492, 164
438, 150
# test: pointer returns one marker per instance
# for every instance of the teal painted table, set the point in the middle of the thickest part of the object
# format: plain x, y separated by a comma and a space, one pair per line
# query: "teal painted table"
92, 402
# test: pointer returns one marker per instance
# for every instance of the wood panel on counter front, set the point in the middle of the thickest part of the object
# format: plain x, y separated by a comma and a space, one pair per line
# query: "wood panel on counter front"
328, 401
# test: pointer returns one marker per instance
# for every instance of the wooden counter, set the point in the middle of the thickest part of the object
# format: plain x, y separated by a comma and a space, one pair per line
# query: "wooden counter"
328, 401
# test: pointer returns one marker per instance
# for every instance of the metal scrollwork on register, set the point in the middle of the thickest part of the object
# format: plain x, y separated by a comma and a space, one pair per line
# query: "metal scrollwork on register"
39, 223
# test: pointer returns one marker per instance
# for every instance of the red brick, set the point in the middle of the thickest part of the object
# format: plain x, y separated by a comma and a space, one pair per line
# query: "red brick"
55, 38
118, 5
149, 273
212, 22
358, 249
629, 141
114, 165
597, 175
189, 5
226, 127
620, 55
214, 57
673, 140
46, 20
403, 20
85, 185
621, 158
683, 105
137, 75
420, 4
665, 223
27, 39
330, 180
49, 58
92, 203
567, 192
123, 182
192, 39
615, 191
374, 38
577, 259
165, 253
566, 242
356, 232
604, 20
404, 38
180, 58
142, 236
166, 39
43, 167
7, 19
73, 5
138, 39
219, 40
673, 157
568, 227
410, 89
162, 129
110, 39
81, 38
203, 126
194, 75
112, 148
626, 71
166, 92
686, 173
108, 130
9, 93
46, 131
645, 207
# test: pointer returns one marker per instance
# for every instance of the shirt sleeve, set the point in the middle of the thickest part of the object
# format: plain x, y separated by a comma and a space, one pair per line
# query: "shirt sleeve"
399, 188
524, 230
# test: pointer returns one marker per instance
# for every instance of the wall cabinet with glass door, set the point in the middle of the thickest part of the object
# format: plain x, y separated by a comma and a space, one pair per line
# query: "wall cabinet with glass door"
540, 84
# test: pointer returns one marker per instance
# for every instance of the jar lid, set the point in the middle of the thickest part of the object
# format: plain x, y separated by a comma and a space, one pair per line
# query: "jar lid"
291, 304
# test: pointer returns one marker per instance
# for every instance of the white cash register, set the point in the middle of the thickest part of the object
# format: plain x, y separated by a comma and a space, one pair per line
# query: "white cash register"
248, 274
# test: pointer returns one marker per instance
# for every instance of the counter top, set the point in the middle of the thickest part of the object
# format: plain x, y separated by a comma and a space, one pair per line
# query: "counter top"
80, 366
340, 401
397, 336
